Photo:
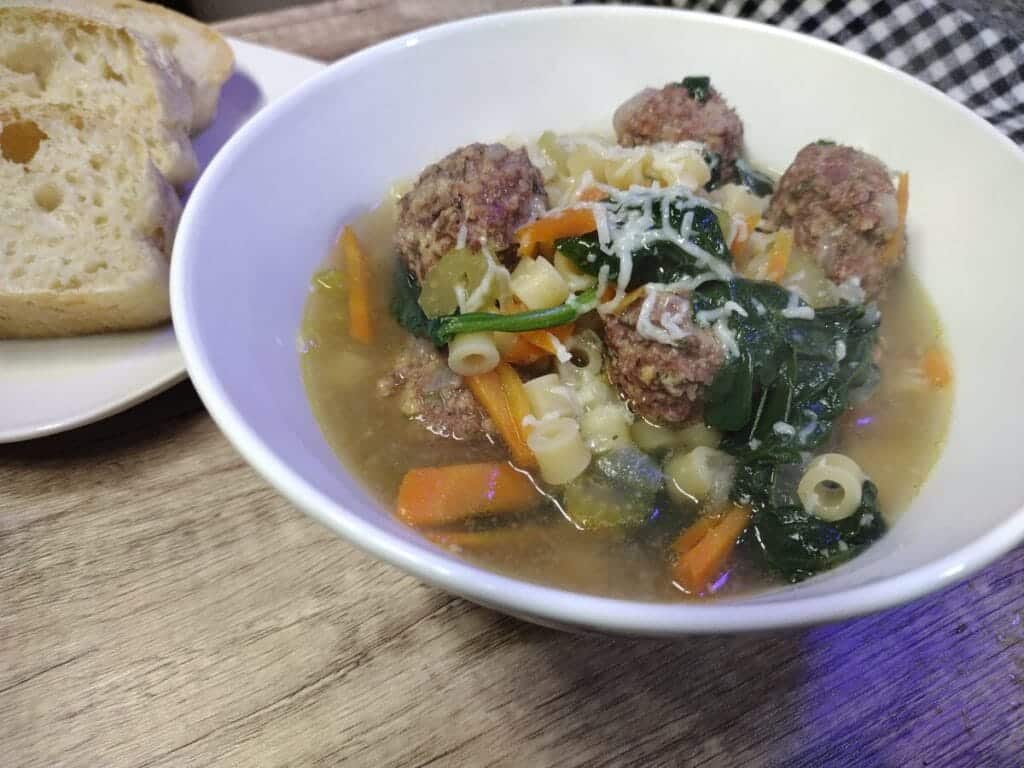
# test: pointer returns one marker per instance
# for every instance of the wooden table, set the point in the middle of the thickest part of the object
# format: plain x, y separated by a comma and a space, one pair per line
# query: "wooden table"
160, 605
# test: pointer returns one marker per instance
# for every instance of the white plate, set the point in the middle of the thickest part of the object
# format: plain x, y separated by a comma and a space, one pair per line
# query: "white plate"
52, 385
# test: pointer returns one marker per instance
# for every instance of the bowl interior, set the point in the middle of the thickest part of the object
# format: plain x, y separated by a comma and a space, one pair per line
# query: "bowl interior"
264, 215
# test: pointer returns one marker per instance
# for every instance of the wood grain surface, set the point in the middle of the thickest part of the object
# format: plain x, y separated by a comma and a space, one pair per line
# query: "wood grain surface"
161, 606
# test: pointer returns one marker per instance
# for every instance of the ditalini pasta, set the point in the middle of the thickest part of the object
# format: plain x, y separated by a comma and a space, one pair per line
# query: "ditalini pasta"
561, 453
537, 284
548, 396
470, 354
831, 488
606, 427
634, 364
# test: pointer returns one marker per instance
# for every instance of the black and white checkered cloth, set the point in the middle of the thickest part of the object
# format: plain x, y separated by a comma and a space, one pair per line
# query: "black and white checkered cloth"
946, 47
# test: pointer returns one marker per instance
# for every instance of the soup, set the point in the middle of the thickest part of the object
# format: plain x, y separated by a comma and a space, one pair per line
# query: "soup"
640, 369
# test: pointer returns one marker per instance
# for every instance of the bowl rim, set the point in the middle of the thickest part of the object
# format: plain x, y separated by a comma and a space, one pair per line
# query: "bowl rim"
507, 593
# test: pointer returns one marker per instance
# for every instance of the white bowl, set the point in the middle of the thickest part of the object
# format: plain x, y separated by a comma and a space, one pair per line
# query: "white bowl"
264, 214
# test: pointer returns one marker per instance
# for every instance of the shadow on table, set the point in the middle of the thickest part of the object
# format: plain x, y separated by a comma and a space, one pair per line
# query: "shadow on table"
924, 684
145, 424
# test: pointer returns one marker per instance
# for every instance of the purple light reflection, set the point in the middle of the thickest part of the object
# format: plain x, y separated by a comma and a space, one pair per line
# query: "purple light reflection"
863, 421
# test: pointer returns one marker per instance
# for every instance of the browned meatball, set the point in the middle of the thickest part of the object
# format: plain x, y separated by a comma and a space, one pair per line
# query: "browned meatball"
434, 396
661, 382
672, 114
841, 204
489, 189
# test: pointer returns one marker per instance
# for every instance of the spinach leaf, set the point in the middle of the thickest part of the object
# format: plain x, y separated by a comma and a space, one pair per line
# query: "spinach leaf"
656, 259
825, 143
405, 306
791, 370
714, 161
798, 545
778, 399
698, 86
758, 183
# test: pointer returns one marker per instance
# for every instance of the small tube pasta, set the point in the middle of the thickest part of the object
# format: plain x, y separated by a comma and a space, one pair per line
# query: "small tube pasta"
558, 446
653, 437
697, 475
538, 284
606, 427
831, 487
574, 277
585, 346
470, 354
548, 395
737, 199
592, 391
699, 436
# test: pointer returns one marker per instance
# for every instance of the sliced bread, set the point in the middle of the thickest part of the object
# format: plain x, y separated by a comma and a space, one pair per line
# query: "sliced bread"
201, 53
87, 227
49, 57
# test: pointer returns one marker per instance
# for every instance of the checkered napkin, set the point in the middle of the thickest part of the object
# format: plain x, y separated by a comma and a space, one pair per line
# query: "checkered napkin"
943, 46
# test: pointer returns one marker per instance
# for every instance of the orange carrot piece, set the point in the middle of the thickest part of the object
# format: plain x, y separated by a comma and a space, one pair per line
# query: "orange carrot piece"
697, 567
542, 339
936, 367
692, 536
608, 295
891, 254
489, 392
634, 295
738, 246
593, 195
357, 271
442, 495
778, 255
515, 396
522, 352
542, 233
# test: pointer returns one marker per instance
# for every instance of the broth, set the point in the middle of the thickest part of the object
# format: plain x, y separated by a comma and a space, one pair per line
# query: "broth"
896, 437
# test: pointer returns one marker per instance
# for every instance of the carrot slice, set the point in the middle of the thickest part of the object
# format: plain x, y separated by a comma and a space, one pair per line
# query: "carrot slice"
489, 392
515, 396
442, 495
936, 367
891, 254
692, 536
698, 566
629, 298
740, 241
542, 233
778, 255
522, 352
542, 339
357, 270
593, 195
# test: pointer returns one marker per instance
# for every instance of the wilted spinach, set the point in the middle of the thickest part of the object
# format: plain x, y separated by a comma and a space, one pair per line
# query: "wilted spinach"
656, 260
796, 374
405, 306
758, 183
798, 545
698, 86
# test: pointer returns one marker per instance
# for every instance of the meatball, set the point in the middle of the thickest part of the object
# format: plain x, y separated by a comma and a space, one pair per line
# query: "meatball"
434, 396
672, 114
841, 204
489, 189
662, 382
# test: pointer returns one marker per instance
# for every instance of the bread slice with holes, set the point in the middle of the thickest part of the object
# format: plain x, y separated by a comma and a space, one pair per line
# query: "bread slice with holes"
50, 57
87, 226
201, 53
